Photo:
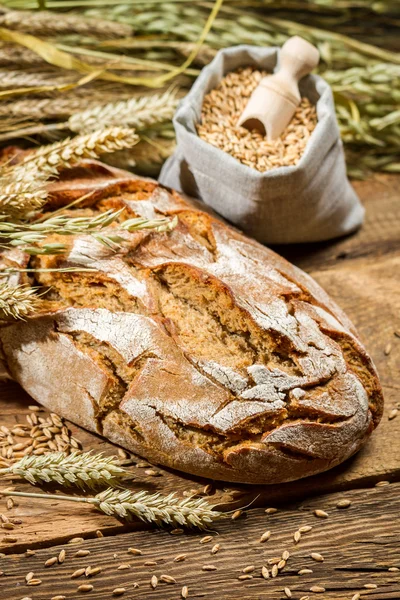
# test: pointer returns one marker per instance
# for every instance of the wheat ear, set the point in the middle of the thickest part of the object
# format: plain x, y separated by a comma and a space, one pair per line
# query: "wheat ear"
150, 508
17, 302
67, 153
23, 234
139, 113
83, 470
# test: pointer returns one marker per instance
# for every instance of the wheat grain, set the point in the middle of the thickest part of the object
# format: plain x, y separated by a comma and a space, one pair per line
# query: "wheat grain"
118, 591
343, 503
248, 569
135, 551
206, 539
185, 592
236, 515
221, 110
85, 587
265, 537
92, 571
180, 557
138, 113
265, 572
78, 573
321, 514
317, 589
168, 579
34, 582
317, 557
304, 572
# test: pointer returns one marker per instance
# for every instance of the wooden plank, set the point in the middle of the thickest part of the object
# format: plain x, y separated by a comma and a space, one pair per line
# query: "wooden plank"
366, 287
359, 544
364, 294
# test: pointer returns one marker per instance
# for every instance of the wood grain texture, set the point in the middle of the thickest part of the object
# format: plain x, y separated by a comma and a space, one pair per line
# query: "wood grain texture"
366, 285
359, 544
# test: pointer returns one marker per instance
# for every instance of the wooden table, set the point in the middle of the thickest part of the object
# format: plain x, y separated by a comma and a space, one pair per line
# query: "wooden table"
360, 544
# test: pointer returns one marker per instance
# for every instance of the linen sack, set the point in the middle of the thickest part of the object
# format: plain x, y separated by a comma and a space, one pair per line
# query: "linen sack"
309, 202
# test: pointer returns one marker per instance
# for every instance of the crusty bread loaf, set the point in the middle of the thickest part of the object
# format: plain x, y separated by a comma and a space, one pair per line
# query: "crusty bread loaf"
198, 349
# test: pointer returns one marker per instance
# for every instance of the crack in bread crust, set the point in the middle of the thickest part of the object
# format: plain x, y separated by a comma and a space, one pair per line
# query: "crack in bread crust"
209, 352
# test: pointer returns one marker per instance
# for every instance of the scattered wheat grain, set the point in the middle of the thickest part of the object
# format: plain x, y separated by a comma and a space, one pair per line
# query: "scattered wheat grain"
304, 572
265, 536
118, 591
85, 587
317, 557
248, 569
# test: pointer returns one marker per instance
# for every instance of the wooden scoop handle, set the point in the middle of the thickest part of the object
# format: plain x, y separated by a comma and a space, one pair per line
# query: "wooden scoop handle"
297, 59
275, 99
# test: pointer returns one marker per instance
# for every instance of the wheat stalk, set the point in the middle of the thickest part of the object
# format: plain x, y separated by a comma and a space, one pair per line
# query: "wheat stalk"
13, 55
17, 302
9, 79
137, 112
47, 23
23, 234
22, 190
48, 108
86, 470
68, 152
150, 508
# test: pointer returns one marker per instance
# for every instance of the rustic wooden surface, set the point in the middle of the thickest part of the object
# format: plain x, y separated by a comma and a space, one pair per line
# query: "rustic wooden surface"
362, 273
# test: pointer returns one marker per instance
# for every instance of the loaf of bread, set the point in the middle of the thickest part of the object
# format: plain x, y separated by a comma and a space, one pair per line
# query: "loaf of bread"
198, 349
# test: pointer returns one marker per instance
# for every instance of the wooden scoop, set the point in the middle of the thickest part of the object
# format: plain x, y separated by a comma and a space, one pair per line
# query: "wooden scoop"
275, 99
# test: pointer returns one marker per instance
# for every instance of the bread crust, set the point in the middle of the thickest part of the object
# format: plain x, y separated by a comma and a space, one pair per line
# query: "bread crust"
198, 349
